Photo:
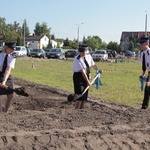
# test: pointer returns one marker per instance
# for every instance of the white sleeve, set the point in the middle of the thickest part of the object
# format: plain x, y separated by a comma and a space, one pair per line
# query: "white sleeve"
77, 66
90, 60
11, 62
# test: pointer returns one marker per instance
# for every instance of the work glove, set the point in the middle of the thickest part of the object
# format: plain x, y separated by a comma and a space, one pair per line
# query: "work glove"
142, 80
97, 82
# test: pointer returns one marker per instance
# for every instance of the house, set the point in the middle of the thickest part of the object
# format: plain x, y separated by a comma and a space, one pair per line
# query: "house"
55, 44
127, 36
34, 41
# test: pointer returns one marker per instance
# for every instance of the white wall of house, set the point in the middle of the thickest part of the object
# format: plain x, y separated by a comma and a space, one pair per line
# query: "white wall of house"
42, 43
33, 44
53, 43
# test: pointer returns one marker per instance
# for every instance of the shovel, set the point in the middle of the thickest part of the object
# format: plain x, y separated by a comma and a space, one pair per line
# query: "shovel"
73, 97
19, 91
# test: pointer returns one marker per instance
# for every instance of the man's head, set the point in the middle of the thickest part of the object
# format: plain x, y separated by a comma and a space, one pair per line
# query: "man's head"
9, 47
144, 43
82, 49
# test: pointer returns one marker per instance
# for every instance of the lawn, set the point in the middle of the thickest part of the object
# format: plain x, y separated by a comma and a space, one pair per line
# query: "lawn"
120, 80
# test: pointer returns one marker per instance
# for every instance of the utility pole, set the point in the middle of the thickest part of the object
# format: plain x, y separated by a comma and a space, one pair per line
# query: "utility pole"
78, 31
24, 34
146, 25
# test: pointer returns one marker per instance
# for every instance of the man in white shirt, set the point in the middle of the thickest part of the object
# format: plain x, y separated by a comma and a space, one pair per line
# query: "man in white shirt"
81, 69
145, 61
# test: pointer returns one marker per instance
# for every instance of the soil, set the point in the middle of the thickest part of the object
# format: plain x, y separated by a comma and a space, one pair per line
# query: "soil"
46, 121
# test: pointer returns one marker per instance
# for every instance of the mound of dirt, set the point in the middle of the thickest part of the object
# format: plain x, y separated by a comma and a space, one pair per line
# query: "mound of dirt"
46, 121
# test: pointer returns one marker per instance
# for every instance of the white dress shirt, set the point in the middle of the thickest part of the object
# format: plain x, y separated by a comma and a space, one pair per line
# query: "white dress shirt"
79, 63
10, 60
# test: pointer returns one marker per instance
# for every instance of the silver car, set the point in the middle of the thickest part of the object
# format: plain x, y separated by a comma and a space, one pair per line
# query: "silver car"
100, 55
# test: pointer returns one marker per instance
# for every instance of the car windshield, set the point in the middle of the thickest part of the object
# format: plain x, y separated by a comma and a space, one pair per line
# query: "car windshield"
55, 50
36, 50
109, 52
100, 52
17, 48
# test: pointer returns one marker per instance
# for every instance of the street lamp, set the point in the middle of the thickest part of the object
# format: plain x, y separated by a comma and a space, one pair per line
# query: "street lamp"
78, 30
146, 25
24, 34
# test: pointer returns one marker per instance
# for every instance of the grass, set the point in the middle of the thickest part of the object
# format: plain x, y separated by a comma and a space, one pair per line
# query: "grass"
120, 80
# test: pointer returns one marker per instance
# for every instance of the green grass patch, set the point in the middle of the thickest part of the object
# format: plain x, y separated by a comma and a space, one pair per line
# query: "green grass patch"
120, 80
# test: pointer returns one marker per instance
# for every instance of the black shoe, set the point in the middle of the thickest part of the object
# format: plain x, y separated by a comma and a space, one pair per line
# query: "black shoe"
143, 107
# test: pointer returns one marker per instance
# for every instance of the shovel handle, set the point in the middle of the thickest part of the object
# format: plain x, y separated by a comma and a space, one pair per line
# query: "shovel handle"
88, 86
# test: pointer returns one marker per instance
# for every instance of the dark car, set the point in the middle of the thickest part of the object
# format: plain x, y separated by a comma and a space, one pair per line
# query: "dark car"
40, 53
71, 53
46, 51
58, 53
127, 53
111, 53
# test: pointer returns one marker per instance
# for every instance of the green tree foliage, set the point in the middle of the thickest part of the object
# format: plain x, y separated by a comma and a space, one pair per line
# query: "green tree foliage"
113, 46
15, 32
2, 26
37, 29
42, 29
131, 46
25, 28
94, 42
19, 41
53, 37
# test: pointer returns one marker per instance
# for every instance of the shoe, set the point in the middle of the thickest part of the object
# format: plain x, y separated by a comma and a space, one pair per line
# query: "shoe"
143, 107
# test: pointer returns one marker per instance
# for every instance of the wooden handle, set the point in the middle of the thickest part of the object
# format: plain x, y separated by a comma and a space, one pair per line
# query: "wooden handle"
88, 86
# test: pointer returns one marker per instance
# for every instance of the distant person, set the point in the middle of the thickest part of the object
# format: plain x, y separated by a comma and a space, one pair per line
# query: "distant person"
81, 69
7, 63
145, 61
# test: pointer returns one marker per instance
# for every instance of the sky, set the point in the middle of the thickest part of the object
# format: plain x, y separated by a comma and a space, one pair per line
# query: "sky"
106, 19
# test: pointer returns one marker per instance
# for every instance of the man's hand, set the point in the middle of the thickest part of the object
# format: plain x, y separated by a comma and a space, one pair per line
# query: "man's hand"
148, 83
2, 85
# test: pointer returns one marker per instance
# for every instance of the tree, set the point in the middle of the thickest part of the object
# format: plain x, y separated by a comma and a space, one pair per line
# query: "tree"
2, 25
25, 28
131, 46
53, 37
113, 46
93, 42
42, 29
133, 43
19, 41
37, 29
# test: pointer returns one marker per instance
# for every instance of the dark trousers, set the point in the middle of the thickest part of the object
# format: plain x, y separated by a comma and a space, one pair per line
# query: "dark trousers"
80, 85
9, 83
146, 96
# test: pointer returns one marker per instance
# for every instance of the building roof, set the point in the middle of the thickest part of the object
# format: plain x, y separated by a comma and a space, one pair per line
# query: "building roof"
130, 34
34, 38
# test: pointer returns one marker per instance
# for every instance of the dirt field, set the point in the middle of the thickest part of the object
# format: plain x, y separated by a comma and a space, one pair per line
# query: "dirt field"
46, 121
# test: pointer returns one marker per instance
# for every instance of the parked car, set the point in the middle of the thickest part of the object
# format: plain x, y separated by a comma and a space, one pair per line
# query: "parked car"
119, 58
20, 51
111, 53
71, 53
46, 51
29, 51
40, 53
127, 53
100, 55
58, 53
